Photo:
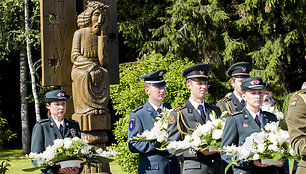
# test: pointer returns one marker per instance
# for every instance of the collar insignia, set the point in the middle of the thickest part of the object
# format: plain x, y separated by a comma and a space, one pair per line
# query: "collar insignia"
73, 132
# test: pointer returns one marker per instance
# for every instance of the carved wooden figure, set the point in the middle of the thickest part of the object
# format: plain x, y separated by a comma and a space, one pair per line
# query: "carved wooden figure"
90, 78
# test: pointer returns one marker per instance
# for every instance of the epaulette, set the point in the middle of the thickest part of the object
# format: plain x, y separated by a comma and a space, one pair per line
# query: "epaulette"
225, 99
43, 120
235, 113
180, 107
137, 109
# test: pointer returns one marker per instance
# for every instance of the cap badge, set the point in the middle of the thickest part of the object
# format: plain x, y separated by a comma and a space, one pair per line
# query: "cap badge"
60, 94
243, 69
161, 73
254, 82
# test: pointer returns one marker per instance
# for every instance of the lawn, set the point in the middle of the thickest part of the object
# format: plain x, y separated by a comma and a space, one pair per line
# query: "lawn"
18, 162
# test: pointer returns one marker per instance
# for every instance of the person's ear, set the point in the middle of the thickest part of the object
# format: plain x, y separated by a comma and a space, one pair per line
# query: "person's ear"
47, 105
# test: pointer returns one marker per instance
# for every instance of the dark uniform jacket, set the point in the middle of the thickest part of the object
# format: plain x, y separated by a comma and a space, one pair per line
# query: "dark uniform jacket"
150, 159
230, 104
45, 132
237, 128
184, 120
296, 121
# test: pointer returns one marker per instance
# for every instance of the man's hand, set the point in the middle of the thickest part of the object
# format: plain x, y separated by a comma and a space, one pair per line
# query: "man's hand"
258, 164
68, 170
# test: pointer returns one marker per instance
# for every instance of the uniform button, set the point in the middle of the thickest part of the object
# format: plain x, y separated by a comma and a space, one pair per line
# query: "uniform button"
212, 160
149, 167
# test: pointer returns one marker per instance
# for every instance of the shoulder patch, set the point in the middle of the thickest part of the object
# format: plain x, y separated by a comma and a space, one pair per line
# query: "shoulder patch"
137, 109
293, 101
43, 121
132, 124
171, 119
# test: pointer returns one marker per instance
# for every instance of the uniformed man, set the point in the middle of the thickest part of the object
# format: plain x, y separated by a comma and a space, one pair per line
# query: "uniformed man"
185, 119
296, 121
56, 126
234, 102
242, 124
141, 119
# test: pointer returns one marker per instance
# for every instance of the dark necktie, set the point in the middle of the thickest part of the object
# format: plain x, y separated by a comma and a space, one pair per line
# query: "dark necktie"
61, 129
159, 110
200, 107
242, 102
257, 121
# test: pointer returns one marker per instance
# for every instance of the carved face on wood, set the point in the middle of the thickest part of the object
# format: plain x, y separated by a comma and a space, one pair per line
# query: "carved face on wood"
97, 20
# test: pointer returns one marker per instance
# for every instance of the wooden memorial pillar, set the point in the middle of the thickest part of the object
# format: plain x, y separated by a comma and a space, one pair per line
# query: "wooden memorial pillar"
58, 25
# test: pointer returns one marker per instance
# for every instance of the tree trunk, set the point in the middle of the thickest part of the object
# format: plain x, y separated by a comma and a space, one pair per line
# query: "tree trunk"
25, 130
29, 57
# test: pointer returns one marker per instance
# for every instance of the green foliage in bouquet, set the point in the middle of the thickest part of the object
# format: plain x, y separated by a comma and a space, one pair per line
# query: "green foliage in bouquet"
130, 94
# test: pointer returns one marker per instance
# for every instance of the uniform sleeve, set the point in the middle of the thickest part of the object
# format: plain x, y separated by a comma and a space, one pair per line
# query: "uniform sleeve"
135, 127
37, 142
173, 132
230, 137
296, 121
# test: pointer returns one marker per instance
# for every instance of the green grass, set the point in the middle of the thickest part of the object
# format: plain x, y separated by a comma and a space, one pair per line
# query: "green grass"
18, 162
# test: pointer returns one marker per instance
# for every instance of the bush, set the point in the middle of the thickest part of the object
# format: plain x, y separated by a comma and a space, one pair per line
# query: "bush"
5, 133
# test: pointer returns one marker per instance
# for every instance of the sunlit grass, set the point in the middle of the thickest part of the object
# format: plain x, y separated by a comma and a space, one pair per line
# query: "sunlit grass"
18, 162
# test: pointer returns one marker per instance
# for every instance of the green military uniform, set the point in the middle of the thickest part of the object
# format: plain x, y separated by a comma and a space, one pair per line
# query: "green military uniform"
183, 121
296, 121
241, 125
237, 128
46, 131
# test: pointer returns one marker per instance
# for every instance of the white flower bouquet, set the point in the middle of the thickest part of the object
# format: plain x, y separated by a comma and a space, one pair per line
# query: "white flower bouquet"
272, 143
70, 149
158, 132
206, 136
